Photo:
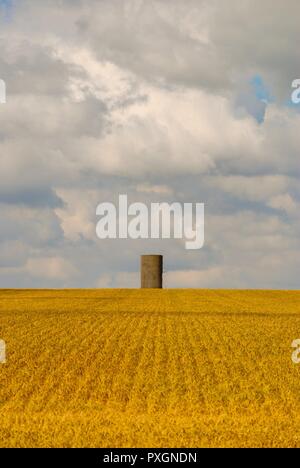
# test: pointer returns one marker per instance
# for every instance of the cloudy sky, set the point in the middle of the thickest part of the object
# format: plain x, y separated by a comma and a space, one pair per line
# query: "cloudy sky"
182, 100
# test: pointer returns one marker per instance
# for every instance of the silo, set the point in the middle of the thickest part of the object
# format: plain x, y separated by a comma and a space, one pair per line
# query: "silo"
152, 271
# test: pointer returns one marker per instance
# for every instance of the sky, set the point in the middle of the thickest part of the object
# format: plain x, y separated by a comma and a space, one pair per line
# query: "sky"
164, 101
6, 8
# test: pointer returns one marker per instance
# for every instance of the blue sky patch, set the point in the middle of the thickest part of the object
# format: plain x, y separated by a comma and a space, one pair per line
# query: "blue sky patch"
6, 9
260, 89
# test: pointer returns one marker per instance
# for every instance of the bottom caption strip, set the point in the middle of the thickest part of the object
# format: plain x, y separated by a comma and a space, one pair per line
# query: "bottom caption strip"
145, 456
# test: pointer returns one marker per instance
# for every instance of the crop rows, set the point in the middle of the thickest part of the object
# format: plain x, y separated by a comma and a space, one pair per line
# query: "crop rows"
149, 368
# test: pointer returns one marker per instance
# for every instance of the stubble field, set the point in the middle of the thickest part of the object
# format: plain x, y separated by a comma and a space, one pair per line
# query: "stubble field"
164, 368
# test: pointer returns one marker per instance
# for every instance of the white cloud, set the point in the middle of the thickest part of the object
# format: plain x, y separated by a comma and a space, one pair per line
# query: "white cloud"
119, 280
284, 202
155, 189
194, 278
50, 267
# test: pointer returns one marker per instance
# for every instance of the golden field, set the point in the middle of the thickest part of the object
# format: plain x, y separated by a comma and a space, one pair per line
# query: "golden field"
137, 368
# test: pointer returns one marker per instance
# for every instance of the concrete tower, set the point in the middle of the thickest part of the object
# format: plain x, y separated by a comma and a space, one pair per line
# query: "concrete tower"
152, 271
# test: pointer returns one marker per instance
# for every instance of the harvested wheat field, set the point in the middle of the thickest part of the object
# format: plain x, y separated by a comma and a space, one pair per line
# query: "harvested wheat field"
164, 368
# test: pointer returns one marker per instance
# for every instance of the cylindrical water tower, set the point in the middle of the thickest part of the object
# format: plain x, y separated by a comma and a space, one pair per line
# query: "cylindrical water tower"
152, 271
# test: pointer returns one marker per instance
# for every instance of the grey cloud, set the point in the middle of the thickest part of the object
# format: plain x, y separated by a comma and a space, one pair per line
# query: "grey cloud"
36, 197
34, 227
